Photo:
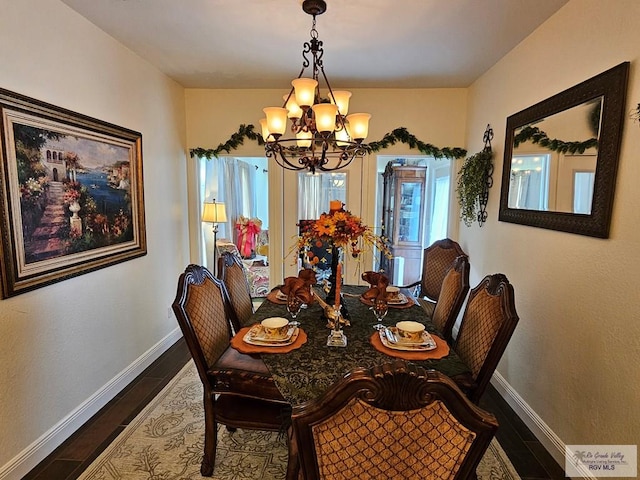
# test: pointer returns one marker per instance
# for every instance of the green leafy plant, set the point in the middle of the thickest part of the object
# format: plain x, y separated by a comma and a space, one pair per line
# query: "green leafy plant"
472, 183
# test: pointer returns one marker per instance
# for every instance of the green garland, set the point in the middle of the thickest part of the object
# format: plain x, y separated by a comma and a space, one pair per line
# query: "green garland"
472, 182
397, 135
635, 113
237, 139
535, 135
402, 135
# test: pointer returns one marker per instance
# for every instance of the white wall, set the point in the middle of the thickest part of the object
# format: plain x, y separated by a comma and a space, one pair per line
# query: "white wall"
574, 356
61, 344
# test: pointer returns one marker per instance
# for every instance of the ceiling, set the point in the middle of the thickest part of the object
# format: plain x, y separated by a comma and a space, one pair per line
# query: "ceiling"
367, 43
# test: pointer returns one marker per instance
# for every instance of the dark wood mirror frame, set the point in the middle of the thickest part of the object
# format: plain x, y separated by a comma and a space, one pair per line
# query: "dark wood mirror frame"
612, 86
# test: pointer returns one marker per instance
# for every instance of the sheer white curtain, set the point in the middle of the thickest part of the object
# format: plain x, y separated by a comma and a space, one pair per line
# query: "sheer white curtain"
231, 181
316, 191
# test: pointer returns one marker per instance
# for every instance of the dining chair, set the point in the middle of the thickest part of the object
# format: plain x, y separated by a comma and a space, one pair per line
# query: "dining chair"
239, 391
395, 420
232, 273
455, 287
487, 324
436, 261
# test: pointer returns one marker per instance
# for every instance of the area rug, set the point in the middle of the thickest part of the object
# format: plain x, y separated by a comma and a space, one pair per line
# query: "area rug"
165, 442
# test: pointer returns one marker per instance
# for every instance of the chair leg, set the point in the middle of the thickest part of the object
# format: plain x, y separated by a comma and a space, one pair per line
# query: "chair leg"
210, 436
293, 463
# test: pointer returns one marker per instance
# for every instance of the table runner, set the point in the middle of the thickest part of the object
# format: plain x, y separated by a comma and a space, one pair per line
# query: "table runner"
305, 373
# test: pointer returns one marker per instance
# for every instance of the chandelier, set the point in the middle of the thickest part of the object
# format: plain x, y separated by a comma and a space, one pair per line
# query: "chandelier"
323, 136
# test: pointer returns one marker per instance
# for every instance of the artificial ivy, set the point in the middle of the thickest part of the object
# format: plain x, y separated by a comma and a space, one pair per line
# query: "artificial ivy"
402, 135
397, 135
535, 135
635, 113
237, 139
472, 184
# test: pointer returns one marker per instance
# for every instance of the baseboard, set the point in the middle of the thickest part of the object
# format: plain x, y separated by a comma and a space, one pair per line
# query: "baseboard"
31, 456
547, 437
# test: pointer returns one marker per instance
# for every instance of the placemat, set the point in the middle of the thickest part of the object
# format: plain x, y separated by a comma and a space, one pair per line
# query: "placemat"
410, 303
243, 347
442, 349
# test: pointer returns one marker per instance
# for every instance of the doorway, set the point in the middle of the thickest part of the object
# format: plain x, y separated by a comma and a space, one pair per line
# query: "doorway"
435, 222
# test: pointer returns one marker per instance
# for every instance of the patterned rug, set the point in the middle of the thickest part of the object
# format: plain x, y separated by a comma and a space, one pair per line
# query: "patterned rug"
165, 442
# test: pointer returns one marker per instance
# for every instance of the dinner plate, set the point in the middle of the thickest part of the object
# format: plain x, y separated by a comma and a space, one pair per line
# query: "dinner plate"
401, 300
390, 340
256, 336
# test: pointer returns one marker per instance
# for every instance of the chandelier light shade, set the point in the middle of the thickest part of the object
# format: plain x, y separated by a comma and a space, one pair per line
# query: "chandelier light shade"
323, 135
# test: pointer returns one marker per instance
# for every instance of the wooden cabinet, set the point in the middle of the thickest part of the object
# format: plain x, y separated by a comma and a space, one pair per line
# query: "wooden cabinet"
403, 213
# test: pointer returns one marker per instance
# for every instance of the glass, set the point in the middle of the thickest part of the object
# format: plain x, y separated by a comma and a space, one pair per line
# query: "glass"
410, 208
380, 310
294, 304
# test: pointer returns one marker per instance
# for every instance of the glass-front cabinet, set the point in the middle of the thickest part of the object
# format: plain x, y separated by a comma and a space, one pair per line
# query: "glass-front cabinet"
403, 220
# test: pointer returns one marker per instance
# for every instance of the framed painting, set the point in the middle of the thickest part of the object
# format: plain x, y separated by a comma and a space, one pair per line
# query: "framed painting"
71, 197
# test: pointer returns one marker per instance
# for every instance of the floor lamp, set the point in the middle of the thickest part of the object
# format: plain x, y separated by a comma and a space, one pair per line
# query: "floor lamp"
215, 213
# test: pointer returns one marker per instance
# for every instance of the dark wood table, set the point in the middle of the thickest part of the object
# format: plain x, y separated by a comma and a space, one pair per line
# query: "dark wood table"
305, 373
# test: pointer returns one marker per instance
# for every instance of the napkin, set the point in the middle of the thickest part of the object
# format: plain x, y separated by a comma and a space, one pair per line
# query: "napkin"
379, 283
300, 286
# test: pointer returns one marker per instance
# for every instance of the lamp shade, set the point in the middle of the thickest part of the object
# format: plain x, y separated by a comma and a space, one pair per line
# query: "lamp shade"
341, 98
293, 110
325, 115
276, 120
304, 139
214, 213
358, 125
265, 130
305, 91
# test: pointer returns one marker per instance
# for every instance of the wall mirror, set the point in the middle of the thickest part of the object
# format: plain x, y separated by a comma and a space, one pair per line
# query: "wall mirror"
561, 157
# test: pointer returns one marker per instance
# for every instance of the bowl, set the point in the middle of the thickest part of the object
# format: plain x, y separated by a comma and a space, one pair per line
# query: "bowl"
393, 293
409, 331
275, 327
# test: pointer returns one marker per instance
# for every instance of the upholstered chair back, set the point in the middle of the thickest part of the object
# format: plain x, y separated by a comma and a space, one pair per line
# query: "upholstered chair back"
487, 324
201, 309
232, 272
394, 421
455, 287
436, 261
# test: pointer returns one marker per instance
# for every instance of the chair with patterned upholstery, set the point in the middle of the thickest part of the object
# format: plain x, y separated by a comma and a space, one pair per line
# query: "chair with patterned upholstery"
436, 261
455, 287
239, 391
396, 420
487, 324
232, 272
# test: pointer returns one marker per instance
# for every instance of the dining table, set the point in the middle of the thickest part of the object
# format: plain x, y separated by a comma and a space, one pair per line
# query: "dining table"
303, 373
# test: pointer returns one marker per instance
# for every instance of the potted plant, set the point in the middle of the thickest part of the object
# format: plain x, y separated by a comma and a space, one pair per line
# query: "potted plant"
473, 184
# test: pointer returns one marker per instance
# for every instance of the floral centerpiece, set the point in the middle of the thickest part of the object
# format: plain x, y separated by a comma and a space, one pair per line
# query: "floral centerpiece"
339, 230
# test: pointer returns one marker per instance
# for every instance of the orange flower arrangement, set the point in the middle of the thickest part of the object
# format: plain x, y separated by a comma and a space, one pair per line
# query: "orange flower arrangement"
342, 229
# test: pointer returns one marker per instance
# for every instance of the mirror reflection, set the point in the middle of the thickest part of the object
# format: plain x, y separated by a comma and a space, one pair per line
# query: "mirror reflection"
553, 163
561, 157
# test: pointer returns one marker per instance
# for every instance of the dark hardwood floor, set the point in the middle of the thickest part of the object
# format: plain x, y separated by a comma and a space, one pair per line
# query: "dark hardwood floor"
69, 460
